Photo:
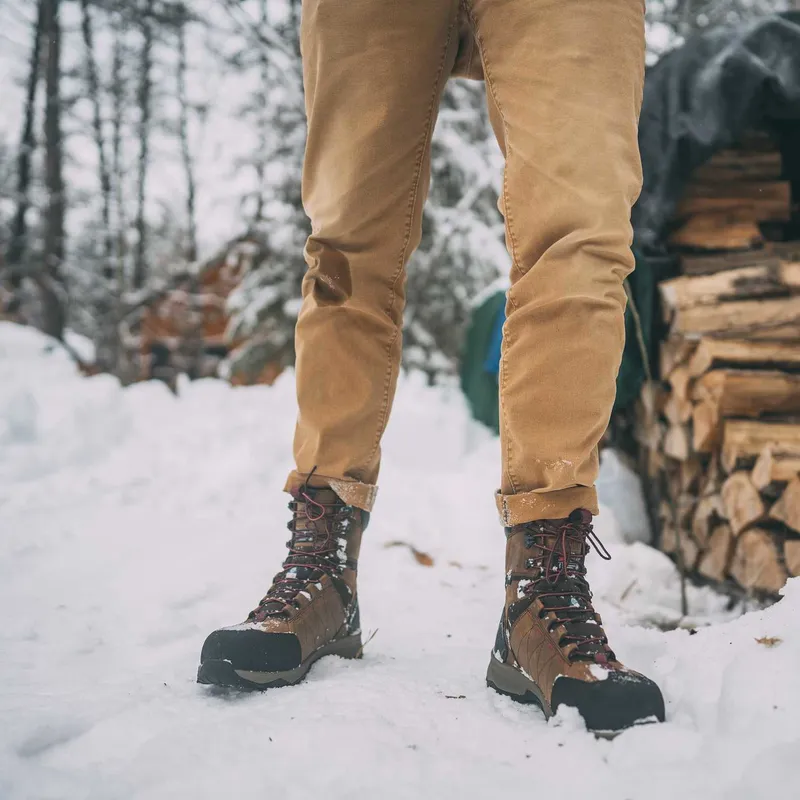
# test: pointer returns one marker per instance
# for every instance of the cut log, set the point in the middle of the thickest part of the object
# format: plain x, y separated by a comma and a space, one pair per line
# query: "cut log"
691, 471
706, 428
712, 353
689, 551
740, 166
756, 562
732, 229
789, 251
761, 319
748, 393
708, 513
705, 265
766, 201
679, 380
743, 505
745, 440
791, 555
677, 412
674, 352
669, 536
771, 468
787, 509
714, 562
676, 442
735, 284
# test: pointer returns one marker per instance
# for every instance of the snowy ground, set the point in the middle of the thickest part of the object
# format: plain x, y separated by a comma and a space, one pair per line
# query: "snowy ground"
132, 523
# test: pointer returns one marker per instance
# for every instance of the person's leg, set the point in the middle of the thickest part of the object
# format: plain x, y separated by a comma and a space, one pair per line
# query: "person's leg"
565, 85
374, 74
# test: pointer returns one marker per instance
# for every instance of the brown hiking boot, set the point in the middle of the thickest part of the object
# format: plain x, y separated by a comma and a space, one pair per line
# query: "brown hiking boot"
311, 609
551, 648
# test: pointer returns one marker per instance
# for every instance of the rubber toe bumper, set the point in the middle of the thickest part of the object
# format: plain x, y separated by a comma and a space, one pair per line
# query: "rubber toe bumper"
620, 701
253, 650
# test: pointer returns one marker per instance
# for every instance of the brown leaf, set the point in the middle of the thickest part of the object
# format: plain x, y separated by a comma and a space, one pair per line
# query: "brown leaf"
421, 558
770, 641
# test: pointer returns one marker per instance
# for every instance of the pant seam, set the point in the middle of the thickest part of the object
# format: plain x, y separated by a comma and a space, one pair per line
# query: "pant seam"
467, 5
412, 204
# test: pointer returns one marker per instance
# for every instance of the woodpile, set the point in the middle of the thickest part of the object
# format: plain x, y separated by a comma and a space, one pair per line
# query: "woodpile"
722, 432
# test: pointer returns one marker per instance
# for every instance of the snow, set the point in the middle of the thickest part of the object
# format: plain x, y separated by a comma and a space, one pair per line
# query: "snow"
133, 522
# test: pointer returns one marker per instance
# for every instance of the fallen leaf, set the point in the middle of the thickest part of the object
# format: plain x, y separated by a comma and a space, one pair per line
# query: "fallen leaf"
421, 557
770, 641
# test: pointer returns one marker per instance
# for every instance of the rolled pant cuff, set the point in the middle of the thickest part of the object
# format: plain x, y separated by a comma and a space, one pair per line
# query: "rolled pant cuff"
516, 509
353, 493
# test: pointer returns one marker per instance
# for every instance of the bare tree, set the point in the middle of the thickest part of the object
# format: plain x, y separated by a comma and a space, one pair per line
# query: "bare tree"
48, 278
183, 133
19, 229
93, 83
144, 98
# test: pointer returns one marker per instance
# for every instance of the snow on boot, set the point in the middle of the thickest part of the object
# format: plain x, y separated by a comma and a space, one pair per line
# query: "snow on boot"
551, 648
311, 609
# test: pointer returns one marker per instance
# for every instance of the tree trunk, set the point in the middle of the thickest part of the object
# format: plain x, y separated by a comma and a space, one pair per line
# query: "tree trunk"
48, 279
144, 99
19, 229
118, 97
186, 154
93, 83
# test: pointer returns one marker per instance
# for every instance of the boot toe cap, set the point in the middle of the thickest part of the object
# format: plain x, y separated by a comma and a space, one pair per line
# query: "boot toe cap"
253, 650
620, 701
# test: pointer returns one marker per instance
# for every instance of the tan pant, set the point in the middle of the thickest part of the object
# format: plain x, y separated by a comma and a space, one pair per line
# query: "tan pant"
564, 80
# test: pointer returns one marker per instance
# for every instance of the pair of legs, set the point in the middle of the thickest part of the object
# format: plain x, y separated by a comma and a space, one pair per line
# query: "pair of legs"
564, 84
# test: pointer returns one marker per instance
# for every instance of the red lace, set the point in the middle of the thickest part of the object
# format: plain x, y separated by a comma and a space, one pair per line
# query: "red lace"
559, 570
317, 559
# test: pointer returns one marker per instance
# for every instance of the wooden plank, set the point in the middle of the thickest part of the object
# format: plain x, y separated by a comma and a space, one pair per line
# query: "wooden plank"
735, 284
715, 561
787, 509
742, 502
745, 440
712, 353
762, 319
748, 393
756, 562
706, 265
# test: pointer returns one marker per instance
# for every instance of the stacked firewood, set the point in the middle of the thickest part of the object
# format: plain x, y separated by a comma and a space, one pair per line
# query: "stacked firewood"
722, 432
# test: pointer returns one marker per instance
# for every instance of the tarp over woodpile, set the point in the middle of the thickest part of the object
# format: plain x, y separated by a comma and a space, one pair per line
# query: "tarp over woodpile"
699, 99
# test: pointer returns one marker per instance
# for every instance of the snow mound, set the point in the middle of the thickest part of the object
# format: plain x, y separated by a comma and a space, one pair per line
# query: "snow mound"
132, 522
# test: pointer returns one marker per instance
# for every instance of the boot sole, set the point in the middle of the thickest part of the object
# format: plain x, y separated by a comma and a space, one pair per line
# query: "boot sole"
508, 681
223, 673
512, 683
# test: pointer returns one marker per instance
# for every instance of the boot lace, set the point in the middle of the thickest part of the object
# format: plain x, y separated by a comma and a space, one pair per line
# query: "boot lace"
562, 586
315, 549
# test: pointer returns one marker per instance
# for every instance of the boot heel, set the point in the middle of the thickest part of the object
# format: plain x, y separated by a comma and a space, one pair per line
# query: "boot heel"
348, 647
510, 682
